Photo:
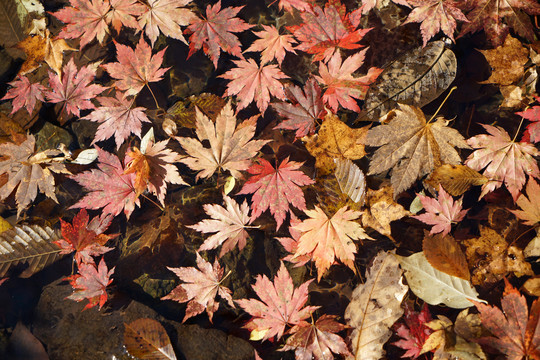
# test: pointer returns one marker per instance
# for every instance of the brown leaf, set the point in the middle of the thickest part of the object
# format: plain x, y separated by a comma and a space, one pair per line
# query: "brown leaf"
507, 62
183, 112
532, 286
445, 254
382, 210
530, 207
335, 140
147, 339
455, 179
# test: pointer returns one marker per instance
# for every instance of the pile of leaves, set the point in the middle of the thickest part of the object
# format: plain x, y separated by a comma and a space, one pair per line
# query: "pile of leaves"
326, 131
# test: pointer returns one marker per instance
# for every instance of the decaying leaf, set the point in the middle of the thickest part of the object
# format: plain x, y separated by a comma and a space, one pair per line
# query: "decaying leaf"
375, 306
434, 286
183, 113
147, 339
351, 180
507, 62
412, 146
455, 179
335, 140
416, 78
445, 254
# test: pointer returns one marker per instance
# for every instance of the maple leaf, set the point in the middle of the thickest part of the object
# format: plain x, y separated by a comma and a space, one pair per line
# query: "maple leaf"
412, 147
441, 213
489, 15
414, 332
117, 117
532, 134
281, 305
85, 239
367, 5
215, 33
109, 187
272, 44
231, 147
324, 31
435, 15
317, 341
250, 82
28, 171
24, 93
330, 239
299, 5
85, 19
306, 108
91, 283
200, 288
290, 244
166, 16
136, 68
515, 333
276, 189
504, 160
228, 223
124, 13
341, 86
74, 88
530, 207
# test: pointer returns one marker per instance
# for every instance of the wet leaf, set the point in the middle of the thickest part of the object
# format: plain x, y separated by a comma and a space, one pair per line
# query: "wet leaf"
351, 179
455, 179
445, 254
530, 204
147, 339
507, 62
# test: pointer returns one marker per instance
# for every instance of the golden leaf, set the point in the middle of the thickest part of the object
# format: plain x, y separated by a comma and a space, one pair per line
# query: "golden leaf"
455, 179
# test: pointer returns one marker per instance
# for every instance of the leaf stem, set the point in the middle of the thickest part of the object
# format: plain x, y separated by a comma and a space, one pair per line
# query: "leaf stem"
151, 92
444, 101
519, 127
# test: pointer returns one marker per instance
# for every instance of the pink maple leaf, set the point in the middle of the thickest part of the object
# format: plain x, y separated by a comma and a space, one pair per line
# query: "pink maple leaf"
532, 134
24, 93
281, 305
441, 212
215, 33
367, 5
85, 239
91, 283
324, 31
271, 44
136, 68
229, 224
124, 13
290, 244
341, 86
117, 117
85, 19
200, 288
306, 108
166, 16
414, 332
74, 88
109, 188
276, 189
300, 5
503, 160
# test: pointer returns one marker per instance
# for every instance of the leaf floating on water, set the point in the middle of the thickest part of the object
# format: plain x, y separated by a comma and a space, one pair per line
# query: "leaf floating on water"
147, 339
417, 78
455, 179
351, 180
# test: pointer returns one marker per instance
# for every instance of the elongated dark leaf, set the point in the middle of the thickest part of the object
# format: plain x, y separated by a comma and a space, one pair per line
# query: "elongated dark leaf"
147, 339
417, 78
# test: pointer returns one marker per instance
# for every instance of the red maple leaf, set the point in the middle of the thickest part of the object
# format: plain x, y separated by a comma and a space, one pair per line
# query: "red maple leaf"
435, 15
166, 16
281, 305
307, 106
136, 68
324, 31
532, 134
24, 93
516, 333
109, 187
317, 341
442, 212
200, 288
341, 86
272, 45
250, 82
215, 33
489, 15
276, 189
91, 283
300, 5
290, 244
85, 239
74, 88
414, 332
117, 117
124, 13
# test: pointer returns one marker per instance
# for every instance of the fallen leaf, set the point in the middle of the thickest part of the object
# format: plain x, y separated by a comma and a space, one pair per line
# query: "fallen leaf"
414, 332
91, 283
147, 339
271, 44
351, 180
507, 62
455, 179
24, 93
530, 207
533, 115
445, 254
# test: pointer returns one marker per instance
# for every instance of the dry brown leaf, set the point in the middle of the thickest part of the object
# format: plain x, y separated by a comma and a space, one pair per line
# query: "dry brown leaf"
507, 62
335, 140
455, 179
445, 254
491, 259
412, 147
532, 286
183, 112
382, 210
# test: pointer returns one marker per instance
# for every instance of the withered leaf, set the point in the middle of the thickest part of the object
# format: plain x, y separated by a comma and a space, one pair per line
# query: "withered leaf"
455, 179
147, 339
444, 254
507, 62
417, 78
412, 147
